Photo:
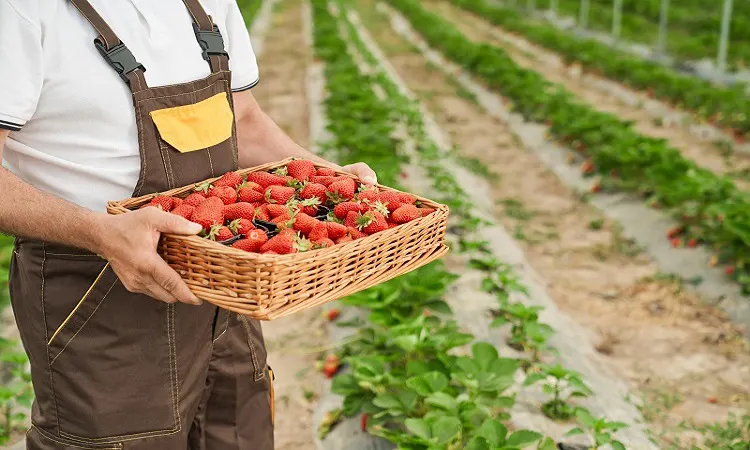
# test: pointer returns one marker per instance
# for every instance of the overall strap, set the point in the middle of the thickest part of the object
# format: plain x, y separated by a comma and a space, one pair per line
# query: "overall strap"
209, 37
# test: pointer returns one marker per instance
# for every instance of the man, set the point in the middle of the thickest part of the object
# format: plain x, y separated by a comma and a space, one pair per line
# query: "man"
123, 354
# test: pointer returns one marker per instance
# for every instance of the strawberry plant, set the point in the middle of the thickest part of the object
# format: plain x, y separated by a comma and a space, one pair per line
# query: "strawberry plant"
599, 429
16, 391
562, 385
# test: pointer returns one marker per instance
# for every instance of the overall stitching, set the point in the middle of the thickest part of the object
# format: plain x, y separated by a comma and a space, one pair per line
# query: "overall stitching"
142, 177
93, 25
46, 339
116, 446
226, 326
249, 333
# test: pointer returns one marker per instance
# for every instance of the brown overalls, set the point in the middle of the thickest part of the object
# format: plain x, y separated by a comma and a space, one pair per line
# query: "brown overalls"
112, 369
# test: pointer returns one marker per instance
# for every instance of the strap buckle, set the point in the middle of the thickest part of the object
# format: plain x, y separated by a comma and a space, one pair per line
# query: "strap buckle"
120, 58
211, 42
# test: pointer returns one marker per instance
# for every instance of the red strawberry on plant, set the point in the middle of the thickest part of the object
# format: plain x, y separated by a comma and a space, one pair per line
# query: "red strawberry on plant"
729, 271
674, 231
326, 172
184, 210
279, 194
240, 210
209, 213
324, 180
241, 226
305, 224
318, 232
363, 422
342, 209
230, 179
194, 199
220, 233
331, 366
692, 243
335, 230
333, 314
262, 213
301, 169
676, 242
253, 242
406, 213
276, 210
250, 195
341, 190
313, 190
163, 202
227, 194
265, 179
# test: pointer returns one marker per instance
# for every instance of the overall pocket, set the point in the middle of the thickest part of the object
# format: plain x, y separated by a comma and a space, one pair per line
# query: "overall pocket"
111, 353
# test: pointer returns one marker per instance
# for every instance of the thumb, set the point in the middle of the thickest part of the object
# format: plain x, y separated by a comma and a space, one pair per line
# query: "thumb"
170, 223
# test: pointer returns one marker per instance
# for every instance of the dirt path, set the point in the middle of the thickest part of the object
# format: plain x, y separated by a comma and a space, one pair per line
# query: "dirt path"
291, 341
683, 357
718, 159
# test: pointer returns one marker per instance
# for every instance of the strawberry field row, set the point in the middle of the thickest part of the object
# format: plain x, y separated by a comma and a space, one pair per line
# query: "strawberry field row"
727, 107
709, 208
407, 379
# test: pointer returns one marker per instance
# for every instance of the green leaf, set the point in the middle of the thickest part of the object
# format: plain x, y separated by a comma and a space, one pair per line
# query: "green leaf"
442, 400
617, 445
418, 427
523, 438
574, 432
614, 426
533, 378
494, 432
484, 354
439, 306
478, 443
408, 342
547, 444
386, 402
446, 429
585, 418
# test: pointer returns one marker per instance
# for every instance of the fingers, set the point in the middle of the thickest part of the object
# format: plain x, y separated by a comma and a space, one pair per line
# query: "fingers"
168, 281
363, 172
165, 222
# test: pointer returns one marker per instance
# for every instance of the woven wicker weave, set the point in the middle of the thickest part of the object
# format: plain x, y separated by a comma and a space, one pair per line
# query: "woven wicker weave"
267, 287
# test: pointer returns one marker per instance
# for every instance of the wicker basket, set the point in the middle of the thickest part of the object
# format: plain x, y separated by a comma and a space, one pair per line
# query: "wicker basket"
267, 287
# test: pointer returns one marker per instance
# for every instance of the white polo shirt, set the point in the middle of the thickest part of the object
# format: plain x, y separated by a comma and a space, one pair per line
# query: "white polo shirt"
73, 131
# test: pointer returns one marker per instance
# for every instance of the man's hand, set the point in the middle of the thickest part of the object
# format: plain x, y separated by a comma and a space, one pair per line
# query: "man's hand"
129, 244
363, 172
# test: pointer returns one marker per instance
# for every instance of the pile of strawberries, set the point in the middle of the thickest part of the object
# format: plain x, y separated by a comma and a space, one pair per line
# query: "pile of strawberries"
293, 209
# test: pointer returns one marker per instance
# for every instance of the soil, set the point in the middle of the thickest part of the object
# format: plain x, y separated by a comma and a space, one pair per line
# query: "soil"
707, 154
291, 340
684, 358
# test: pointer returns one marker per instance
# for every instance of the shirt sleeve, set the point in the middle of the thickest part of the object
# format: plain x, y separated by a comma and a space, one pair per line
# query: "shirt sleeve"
21, 66
242, 61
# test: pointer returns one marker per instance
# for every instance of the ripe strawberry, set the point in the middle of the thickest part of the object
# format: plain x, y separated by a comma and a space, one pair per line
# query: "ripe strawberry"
184, 210
240, 210
376, 224
352, 219
323, 243
674, 231
324, 180
330, 371
712, 400
341, 190
286, 243
250, 195
313, 190
163, 202
333, 314
270, 252
279, 194
241, 226
308, 206
729, 271
262, 213
265, 179
305, 224
203, 188
177, 202
230, 179
342, 209
251, 185
301, 169
318, 232
220, 233
283, 221
692, 243
227, 194
369, 195
331, 366
326, 172
405, 198
393, 225
587, 167
406, 213
390, 199
254, 241
209, 213
363, 422
676, 242
277, 210
335, 230
427, 211
344, 239
597, 187
355, 233
194, 199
